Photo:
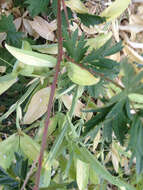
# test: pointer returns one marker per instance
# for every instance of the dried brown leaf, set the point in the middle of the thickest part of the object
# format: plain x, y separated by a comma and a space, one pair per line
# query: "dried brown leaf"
43, 28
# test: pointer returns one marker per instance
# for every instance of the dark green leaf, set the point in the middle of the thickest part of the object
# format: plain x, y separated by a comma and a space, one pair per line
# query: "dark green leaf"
129, 73
97, 119
75, 48
5, 179
107, 131
36, 7
114, 49
88, 19
7, 25
21, 166
70, 16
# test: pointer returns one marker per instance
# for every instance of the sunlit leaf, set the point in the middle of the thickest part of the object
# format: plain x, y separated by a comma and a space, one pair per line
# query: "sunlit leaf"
77, 6
138, 98
7, 81
7, 149
115, 9
80, 75
82, 174
98, 41
32, 58
46, 48
83, 154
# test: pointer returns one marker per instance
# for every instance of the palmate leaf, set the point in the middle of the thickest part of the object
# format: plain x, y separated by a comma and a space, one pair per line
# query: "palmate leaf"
132, 79
136, 142
36, 7
100, 116
118, 120
97, 61
75, 48
91, 20
114, 118
7, 25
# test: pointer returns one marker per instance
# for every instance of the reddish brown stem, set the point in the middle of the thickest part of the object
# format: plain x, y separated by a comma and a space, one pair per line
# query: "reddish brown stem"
66, 15
53, 87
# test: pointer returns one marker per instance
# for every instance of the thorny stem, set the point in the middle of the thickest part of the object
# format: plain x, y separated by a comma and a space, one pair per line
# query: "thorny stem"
53, 87
94, 72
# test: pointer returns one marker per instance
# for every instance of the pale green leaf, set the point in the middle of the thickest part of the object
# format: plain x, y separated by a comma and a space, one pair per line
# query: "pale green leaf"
115, 9
82, 174
100, 170
80, 75
45, 177
77, 6
46, 48
98, 41
29, 147
7, 81
138, 98
32, 58
7, 149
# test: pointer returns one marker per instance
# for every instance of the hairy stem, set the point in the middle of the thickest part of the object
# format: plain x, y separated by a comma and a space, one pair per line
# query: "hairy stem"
53, 87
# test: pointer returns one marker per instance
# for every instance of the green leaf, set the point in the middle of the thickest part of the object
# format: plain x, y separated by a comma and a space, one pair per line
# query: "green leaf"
107, 131
136, 142
115, 9
7, 25
46, 48
70, 16
118, 119
98, 41
138, 98
80, 75
7, 149
32, 58
29, 147
77, 6
21, 100
91, 20
7, 81
75, 48
114, 49
100, 116
82, 174
7, 180
83, 154
129, 73
36, 7
20, 168
45, 177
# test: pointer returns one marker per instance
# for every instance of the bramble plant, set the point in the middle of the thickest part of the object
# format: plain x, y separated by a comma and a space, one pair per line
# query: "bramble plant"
79, 105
